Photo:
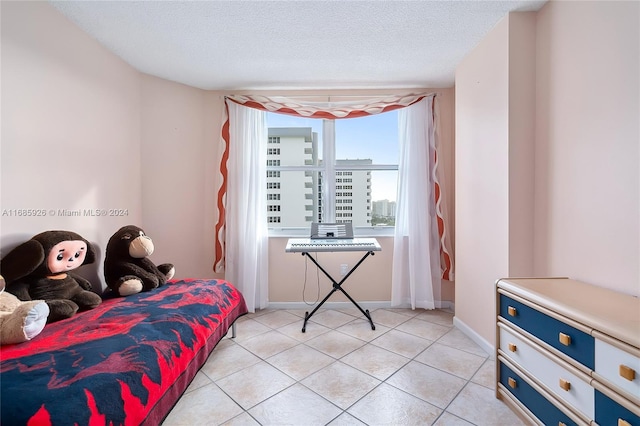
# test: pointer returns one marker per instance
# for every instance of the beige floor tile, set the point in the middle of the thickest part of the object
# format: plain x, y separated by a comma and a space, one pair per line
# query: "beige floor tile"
294, 330
455, 361
448, 419
361, 329
335, 344
249, 328
277, 319
196, 408
407, 312
331, 318
228, 360
427, 383
386, 405
486, 375
373, 360
254, 384
274, 374
297, 312
437, 316
402, 343
296, 405
426, 330
457, 339
388, 317
346, 419
268, 344
480, 406
300, 361
243, 419
198, 381
341, 384
352, 310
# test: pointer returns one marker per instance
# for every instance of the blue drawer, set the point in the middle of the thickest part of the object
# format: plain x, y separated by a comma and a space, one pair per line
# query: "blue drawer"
581, 346
545, 411
608, 412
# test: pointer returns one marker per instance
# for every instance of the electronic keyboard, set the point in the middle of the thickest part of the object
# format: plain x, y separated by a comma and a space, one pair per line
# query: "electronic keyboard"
297, 245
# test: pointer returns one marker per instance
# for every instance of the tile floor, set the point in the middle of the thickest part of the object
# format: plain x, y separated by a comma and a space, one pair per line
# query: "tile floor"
415, 368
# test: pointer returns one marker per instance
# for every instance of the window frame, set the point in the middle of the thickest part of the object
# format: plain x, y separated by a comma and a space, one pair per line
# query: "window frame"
329, 170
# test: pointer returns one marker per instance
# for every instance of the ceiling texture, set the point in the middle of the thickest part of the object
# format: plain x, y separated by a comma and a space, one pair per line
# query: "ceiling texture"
293, 45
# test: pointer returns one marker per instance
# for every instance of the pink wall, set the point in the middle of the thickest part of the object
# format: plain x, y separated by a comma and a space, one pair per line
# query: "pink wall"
81, 129
587, 143
584, 189
482, 178
175, 197
70, 129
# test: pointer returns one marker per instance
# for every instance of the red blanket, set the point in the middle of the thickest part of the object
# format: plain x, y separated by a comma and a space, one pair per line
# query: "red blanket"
126, 362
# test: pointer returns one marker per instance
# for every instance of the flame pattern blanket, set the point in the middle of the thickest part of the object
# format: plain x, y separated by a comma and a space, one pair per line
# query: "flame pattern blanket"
125, 362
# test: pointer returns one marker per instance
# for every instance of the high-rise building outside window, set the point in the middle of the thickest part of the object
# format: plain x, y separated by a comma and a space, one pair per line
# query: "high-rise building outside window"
321, 166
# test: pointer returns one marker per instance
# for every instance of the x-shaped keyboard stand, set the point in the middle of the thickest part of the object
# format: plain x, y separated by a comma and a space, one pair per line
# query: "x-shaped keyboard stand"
337, 286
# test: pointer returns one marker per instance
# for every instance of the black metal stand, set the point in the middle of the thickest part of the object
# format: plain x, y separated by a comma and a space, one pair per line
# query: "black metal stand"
337, 286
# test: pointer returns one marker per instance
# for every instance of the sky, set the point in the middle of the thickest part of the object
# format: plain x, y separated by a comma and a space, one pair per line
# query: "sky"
374, 137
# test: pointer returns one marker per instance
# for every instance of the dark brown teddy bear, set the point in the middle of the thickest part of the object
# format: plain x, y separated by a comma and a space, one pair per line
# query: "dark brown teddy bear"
127, 267
40, 269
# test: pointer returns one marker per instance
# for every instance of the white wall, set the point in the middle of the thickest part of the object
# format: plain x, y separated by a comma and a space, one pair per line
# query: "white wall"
70, 130
585, 186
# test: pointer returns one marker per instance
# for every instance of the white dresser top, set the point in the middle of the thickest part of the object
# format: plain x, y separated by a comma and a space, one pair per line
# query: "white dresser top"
613, 313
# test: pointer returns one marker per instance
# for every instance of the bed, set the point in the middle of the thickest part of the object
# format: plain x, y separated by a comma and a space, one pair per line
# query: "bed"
125, 362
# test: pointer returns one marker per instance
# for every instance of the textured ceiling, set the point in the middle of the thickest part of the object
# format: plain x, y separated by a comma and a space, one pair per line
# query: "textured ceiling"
232, 45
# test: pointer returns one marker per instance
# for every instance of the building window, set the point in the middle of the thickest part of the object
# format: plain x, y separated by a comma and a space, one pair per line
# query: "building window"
362, 170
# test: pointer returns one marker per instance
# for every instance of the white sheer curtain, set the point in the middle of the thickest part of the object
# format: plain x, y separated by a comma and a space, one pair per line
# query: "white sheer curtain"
246, 234
416, 275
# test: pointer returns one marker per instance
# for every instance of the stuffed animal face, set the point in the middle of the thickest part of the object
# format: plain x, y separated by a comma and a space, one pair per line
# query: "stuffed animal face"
130, 242
66, 256
48, 253
140, 246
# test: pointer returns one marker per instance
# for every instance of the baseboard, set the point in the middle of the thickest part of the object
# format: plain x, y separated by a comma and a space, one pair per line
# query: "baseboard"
328, 305
346, 304
471, 334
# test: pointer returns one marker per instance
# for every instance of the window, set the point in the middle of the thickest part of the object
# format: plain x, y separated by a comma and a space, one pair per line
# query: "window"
325, 164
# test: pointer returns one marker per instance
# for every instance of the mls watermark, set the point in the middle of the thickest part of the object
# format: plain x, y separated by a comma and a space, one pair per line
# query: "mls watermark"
64, 212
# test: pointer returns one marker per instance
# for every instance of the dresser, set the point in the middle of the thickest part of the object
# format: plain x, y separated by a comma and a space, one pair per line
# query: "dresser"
568, 352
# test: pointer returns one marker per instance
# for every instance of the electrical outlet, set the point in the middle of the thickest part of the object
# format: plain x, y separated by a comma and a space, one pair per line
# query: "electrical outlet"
344, 268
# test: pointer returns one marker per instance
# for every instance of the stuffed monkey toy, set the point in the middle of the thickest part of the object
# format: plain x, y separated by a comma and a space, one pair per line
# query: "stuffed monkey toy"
127, 267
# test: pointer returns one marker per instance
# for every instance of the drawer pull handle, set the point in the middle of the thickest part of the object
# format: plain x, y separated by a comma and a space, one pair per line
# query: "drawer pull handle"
512, 383
565, 339
512, 311
627, 372
564, 384
512, 347
623, 423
